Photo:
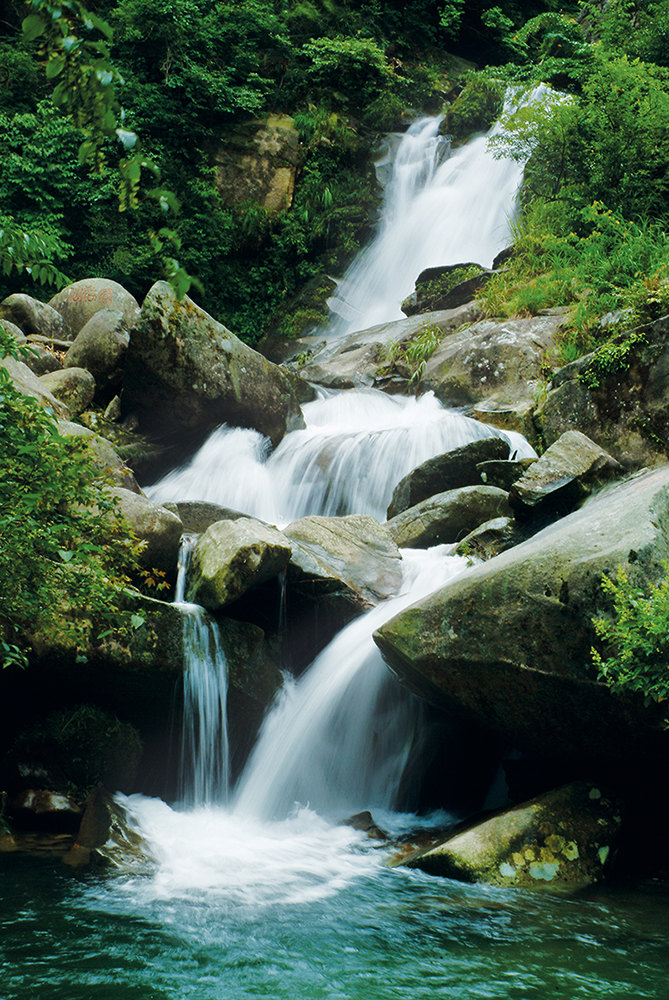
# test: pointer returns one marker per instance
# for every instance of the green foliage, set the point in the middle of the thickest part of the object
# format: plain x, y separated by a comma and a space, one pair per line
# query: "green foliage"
65, 554
475, 108
410, 357
635, 654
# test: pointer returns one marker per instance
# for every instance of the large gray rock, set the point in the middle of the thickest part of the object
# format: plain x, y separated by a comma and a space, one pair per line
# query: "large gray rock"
508, 644
100, 347
158, 528
15, 331
198, 515
41, 360
185, 371
445, 287
29, 384
564, 475
33, 316
447, 472
560, 840
73, 386
77, 303
351, 556
231, 557
491, 538
110, 464
448, 517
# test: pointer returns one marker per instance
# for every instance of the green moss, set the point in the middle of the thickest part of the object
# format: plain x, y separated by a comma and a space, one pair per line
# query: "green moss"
475, 109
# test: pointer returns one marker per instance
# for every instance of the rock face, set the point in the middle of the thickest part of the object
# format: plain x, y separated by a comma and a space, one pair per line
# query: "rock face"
448, 517
351, 556
508, 644
564, 475
79, 302
33, 317
100, 347
158, 528
446, 472
621, 403
184, 371
233, 556
560, 840
258, 162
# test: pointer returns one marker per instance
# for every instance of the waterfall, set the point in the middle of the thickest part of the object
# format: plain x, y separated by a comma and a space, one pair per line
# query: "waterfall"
339, 738
204, 767
438, 209
356, 447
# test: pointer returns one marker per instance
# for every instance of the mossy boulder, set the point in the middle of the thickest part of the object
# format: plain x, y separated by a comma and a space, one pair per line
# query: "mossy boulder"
448, 517
475, 108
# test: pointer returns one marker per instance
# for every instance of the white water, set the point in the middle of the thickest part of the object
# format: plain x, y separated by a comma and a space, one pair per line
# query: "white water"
438, 209
355, 449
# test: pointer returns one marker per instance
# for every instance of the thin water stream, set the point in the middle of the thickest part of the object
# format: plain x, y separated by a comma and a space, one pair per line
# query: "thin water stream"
267, 896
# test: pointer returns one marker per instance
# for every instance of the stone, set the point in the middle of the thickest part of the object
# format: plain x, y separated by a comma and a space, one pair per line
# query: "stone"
564, 475
448, 517
503, 473
198, 515
105, 457
449, 471
508, 644
231, 557
31, 385
100, 348
445, 287
44, 809
11, 328
73, 386
491, 538
94, 828
41, 360
158, 528
257, 162
516, 415
352, 556
562, 840
77, 303
33, 316
186, 372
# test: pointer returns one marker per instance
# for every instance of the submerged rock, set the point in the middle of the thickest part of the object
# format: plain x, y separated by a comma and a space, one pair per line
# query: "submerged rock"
508, 643
448, 517
186, 372
561, 840
449, 471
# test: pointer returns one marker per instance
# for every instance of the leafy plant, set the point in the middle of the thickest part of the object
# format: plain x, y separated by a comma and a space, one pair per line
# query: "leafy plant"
635, 657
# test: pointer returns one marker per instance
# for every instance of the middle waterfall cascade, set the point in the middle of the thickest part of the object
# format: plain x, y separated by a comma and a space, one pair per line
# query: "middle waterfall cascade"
438, 209
339, 738
356, 447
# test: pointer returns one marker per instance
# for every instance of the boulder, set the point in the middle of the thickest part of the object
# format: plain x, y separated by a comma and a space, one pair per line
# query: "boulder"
158, 528
503, 473
491, 538
500, 362
618, 396
41, 360
15, 331
186, 372
562, 840
448, 517
257, 162
100, 348
231, 557
445, 287
517, 415
449, 471
353, 557
564, 475
107, 460
508, 643
73, 386
33, 316
77, 303
44, 809
31, 385
198, 515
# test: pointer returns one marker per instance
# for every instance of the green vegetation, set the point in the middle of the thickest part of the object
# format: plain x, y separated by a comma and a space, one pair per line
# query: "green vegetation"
66, 556
636, 639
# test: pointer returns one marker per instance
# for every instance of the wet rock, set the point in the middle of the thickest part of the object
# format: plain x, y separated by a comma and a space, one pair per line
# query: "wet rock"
158, 528
33, 316
508, 644
75, 387
186, 372
449, 471
364, 821
231, 557
561, 840
514, 413
198, 515
491, 538
503, 474
564, 475
77, 303
352, 556
100, 348
94, 828
448, 517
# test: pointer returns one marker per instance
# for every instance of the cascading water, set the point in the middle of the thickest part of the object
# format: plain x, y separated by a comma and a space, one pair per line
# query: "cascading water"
204, 768
438, 209
355, 449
